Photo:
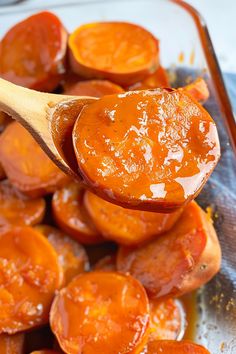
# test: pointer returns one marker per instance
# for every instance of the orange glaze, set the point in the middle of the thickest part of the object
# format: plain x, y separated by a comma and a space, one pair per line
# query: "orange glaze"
71, 216
154, 150
13, 344
174, 347
198, 89
158, 79
26, 165
45, 351
127, 226
101, 312
32, 53
17, 209
177, 262
167, 320
29, 276
107, 263
94, 88
72, 256
92, 48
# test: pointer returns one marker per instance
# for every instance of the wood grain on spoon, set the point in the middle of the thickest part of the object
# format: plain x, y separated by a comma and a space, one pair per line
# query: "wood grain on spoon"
48, 117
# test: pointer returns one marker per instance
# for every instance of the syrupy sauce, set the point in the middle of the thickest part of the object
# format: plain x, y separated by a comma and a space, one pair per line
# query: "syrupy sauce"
189, 302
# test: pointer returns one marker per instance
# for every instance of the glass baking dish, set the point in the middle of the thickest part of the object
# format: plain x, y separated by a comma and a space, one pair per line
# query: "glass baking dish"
187, 52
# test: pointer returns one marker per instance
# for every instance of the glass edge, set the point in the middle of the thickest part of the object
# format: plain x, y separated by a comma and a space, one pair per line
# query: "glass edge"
215, 71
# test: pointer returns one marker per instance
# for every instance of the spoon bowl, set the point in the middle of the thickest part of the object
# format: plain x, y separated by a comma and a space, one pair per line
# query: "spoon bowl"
48, 117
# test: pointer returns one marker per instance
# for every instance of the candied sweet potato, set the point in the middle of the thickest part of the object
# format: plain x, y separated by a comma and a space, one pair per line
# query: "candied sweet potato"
26, 165
107, 263
175, 347
153, 150
180, 260
29, 276
13, 344
94, 88
127, 226
198, 89
167, 320
17, 209
118, 51
158, 79
71, 216
72, 255
101, 312
32, 53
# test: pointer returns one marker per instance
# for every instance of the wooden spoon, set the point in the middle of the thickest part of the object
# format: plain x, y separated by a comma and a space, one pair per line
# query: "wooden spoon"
48, 117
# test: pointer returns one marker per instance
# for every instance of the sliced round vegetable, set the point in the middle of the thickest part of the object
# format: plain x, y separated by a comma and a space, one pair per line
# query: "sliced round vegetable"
175, 347
17, 209
72, 255
71, 216
179, 261
13, 344
107, 263
118, 51
127, 226
101, 312
26, 165
32, 53
198, 89
94, 88
167, 320
156, 80
153, 150
29, 276
45, 351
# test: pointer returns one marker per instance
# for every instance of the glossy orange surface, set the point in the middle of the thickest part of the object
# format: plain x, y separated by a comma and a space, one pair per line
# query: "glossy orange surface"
198, 89
127, 226
154, 150
26, 165
12, 344
174, 347
107, 263
156, 80
72, 256
70, 215
166, 320
29, 276
101, 312
177, 262
17, 209
94, 88
32, 53
92, 48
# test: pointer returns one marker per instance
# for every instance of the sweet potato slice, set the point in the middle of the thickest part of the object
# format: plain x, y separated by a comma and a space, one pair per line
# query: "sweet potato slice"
179, 261
198, 89
107, 263
26, 165
94, 88
17, 209
32, 53
29, 276
72, 256
156, 80
13, 344
167, 320
118, 51
174, 347
153, 150
101, 312
45, 351
126, 226
71, 216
